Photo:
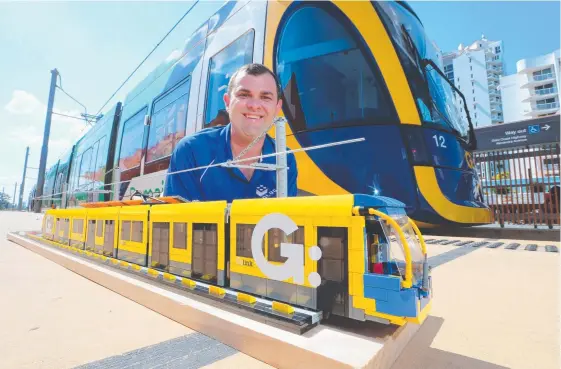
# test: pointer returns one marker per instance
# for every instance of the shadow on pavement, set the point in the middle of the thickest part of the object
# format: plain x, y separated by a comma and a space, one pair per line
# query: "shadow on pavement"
419, 354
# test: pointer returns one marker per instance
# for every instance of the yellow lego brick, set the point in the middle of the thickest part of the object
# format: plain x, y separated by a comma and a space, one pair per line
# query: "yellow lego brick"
169, 277
356, 261
246, 298
282, 308
217, 291
189, 283
356, 285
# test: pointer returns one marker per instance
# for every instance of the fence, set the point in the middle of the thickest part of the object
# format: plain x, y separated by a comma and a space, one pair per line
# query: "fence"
521, 185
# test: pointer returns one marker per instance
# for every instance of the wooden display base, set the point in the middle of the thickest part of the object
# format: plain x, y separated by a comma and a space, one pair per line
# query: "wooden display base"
341, 343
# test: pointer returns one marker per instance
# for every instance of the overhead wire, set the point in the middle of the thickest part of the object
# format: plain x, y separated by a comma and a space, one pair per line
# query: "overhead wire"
147, 56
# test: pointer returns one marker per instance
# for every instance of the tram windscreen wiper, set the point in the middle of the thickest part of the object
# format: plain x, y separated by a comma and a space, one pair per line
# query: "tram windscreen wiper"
471, 141
422, 63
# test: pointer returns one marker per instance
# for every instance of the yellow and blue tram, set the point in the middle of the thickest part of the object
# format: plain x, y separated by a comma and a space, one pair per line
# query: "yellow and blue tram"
347, 70
371, 263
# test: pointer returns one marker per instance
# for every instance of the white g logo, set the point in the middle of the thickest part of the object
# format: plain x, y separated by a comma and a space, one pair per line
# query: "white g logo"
294, 266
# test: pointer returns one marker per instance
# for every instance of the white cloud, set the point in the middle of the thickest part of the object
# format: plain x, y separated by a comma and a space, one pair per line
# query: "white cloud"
23, 102
26, 124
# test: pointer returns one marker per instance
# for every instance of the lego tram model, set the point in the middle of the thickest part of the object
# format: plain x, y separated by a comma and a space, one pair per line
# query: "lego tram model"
356, 256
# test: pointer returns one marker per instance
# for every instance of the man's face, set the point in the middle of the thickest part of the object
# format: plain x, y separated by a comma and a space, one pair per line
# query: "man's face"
252, 104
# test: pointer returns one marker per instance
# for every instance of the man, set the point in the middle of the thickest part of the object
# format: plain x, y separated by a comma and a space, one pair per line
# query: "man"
252, 102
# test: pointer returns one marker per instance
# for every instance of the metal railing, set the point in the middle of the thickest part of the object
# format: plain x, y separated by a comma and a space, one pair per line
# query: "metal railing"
547, 106
521, 186
545, 91
542, 77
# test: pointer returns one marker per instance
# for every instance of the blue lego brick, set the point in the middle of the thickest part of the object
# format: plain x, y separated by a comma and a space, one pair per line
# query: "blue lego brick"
387, 282
378, 294
402, 303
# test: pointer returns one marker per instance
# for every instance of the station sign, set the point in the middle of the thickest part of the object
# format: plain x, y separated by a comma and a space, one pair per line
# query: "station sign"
518, 134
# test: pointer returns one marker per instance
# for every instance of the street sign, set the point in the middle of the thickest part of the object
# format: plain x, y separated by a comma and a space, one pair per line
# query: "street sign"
518, 134
534, 129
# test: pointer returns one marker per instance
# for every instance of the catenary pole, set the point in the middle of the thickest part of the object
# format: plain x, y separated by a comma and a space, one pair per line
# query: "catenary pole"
23, 179
43, 161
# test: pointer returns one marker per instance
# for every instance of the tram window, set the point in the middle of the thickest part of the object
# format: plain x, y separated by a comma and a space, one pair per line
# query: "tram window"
276, 237
168, 123
326, 78
131, 141
77, 226
98, 228
180, 236
126, 230
221, 67
243, 240
137, 230
85, 168
100, 162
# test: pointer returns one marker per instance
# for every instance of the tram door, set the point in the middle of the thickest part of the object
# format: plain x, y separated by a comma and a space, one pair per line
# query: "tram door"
160, 246
90, 241
332, 267
109, 238
205, 252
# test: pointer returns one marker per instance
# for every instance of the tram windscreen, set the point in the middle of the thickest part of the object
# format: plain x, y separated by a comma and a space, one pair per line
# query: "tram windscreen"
437, 101
397, 248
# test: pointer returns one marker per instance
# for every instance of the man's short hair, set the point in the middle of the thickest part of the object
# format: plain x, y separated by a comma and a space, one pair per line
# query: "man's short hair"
254, 69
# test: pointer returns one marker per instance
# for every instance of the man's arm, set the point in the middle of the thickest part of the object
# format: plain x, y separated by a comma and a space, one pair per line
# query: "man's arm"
183, 184
292, 175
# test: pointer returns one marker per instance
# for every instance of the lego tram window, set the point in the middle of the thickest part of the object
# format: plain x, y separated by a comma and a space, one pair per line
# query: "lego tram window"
126, 230
243, 240
276, 237
180, 236
137, 230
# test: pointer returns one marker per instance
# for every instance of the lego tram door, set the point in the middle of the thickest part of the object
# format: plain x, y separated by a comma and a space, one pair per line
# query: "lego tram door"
90, 236
205, 252
160, 246
332, 294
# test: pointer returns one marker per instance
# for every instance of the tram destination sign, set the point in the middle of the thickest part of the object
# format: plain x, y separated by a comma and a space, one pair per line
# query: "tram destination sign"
519, 134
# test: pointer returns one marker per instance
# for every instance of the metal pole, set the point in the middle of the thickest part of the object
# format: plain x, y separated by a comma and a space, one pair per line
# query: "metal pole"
14, 201
282, 172
43, 161
23, 180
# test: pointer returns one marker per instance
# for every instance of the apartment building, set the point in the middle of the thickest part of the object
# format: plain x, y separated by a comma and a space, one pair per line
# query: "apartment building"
476, 70
533, 91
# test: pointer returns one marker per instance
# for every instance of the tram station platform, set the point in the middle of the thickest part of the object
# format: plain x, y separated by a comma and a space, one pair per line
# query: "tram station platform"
493, 308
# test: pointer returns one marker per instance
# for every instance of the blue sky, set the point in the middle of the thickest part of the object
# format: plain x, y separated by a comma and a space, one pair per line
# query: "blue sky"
95, 45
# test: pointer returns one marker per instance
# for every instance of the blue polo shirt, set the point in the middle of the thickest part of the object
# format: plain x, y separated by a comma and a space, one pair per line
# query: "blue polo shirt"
212, 146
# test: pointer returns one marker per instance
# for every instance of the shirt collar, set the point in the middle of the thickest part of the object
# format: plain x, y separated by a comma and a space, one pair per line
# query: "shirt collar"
268, 145
268, 148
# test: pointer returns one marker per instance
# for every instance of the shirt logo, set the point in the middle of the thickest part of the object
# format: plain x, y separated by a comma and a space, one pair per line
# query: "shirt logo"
264, 192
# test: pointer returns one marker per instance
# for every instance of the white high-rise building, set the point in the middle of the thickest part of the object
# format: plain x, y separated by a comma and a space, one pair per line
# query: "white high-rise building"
475, 71
533, 91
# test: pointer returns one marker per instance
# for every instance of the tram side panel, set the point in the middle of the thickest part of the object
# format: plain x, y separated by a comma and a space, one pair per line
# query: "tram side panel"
190, 240
133, 234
